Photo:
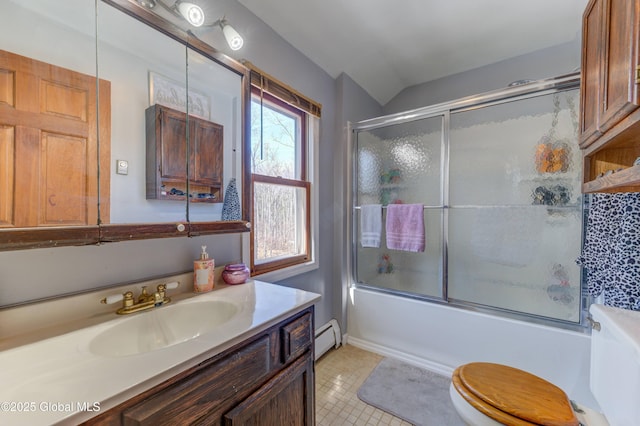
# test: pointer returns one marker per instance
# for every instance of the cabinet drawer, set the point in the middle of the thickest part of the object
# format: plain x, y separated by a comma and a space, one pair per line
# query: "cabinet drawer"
297, 337
212, 388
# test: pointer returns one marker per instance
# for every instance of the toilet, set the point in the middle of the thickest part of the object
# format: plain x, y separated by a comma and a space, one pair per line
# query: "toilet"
485, 393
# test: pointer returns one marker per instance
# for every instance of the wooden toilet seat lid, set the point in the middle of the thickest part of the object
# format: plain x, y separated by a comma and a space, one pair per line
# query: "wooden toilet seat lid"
516, 393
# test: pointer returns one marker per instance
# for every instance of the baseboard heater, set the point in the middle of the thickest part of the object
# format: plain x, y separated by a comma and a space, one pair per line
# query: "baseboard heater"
328, 336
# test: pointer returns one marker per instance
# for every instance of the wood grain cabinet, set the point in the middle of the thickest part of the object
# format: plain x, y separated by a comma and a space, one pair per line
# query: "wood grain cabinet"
266, 380
167, 164
609, 113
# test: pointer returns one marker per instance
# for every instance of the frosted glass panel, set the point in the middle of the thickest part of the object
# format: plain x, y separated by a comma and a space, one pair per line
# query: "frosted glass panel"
515, 206
417, 273
517, 152
402, 164
516, 258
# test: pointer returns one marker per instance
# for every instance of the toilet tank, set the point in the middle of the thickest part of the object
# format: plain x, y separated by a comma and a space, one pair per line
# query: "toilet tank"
615, 364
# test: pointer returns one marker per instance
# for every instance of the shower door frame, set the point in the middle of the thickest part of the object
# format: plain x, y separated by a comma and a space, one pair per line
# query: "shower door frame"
444, 110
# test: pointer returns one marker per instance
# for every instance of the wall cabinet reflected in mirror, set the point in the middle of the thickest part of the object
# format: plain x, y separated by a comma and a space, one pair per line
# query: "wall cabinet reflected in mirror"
68, 190
167, 154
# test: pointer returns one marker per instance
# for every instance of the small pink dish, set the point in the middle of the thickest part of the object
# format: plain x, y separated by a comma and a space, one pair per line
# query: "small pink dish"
235, 273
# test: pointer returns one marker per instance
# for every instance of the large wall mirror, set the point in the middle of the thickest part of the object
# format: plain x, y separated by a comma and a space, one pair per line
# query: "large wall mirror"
95, 140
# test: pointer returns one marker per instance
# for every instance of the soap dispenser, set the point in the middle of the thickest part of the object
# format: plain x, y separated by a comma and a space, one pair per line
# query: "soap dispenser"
203, 272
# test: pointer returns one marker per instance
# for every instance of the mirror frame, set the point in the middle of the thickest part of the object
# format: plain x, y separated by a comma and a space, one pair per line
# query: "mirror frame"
28, 238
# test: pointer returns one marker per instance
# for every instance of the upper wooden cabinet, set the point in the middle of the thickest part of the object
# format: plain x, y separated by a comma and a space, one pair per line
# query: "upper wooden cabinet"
167, 156
609, 114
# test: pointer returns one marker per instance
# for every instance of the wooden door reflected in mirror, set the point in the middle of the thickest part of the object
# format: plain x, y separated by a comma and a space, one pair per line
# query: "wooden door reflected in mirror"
48, 119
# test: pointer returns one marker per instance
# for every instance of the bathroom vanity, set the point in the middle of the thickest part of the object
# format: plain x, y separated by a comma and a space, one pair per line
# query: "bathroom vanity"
266, 379
239, 354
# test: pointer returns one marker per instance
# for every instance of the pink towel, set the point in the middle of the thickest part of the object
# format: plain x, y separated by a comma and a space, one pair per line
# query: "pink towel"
405, 227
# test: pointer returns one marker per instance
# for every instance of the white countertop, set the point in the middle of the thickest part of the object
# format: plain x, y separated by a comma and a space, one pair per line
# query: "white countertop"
59, 380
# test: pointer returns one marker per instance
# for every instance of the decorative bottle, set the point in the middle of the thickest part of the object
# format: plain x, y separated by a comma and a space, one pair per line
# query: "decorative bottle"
203, 272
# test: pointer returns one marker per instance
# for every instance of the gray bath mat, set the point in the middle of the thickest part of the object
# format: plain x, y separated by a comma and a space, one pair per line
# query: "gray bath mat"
415, 395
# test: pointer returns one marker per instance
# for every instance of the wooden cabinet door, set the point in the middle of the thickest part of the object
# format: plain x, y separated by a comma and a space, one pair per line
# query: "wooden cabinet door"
179, 146
202, 397
590, 93
205, 148
620, 59
173, 146
610, 57
287, 399
206, 153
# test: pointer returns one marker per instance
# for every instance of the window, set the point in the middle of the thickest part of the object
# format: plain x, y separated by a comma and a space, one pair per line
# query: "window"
281, 231
284, 153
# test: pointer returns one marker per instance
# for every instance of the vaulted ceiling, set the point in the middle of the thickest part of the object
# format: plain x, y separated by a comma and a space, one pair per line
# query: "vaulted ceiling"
387, 46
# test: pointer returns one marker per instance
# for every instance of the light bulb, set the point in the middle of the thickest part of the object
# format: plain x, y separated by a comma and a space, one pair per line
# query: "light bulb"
234, 40
192, 13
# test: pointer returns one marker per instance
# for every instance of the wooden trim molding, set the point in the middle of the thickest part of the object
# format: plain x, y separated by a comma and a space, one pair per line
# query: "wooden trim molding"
282, 91
29, 238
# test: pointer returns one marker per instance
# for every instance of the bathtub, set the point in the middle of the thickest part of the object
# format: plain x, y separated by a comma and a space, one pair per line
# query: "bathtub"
439, 338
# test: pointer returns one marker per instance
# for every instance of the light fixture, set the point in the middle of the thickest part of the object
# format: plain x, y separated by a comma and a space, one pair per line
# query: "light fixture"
234, 40
191, 12
194, 15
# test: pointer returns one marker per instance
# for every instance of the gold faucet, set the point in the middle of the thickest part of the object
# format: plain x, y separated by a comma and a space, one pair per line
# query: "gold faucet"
145, 300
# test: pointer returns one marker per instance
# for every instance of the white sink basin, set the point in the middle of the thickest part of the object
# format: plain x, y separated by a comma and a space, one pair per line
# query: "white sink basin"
162, 327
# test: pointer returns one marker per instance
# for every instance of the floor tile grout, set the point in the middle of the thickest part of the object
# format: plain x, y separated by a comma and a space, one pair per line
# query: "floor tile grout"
339, 374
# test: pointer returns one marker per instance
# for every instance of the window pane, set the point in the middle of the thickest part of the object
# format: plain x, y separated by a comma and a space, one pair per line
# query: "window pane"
280, 221
273, 141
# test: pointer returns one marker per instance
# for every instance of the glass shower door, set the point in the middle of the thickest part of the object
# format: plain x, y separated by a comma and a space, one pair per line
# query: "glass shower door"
514, 217
401, 164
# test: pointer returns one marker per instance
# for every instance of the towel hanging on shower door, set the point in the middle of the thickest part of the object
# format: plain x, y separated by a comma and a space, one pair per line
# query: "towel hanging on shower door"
405, 227
370, 225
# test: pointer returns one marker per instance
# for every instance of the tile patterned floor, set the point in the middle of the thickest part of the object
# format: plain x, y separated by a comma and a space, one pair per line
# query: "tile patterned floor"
339, 374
